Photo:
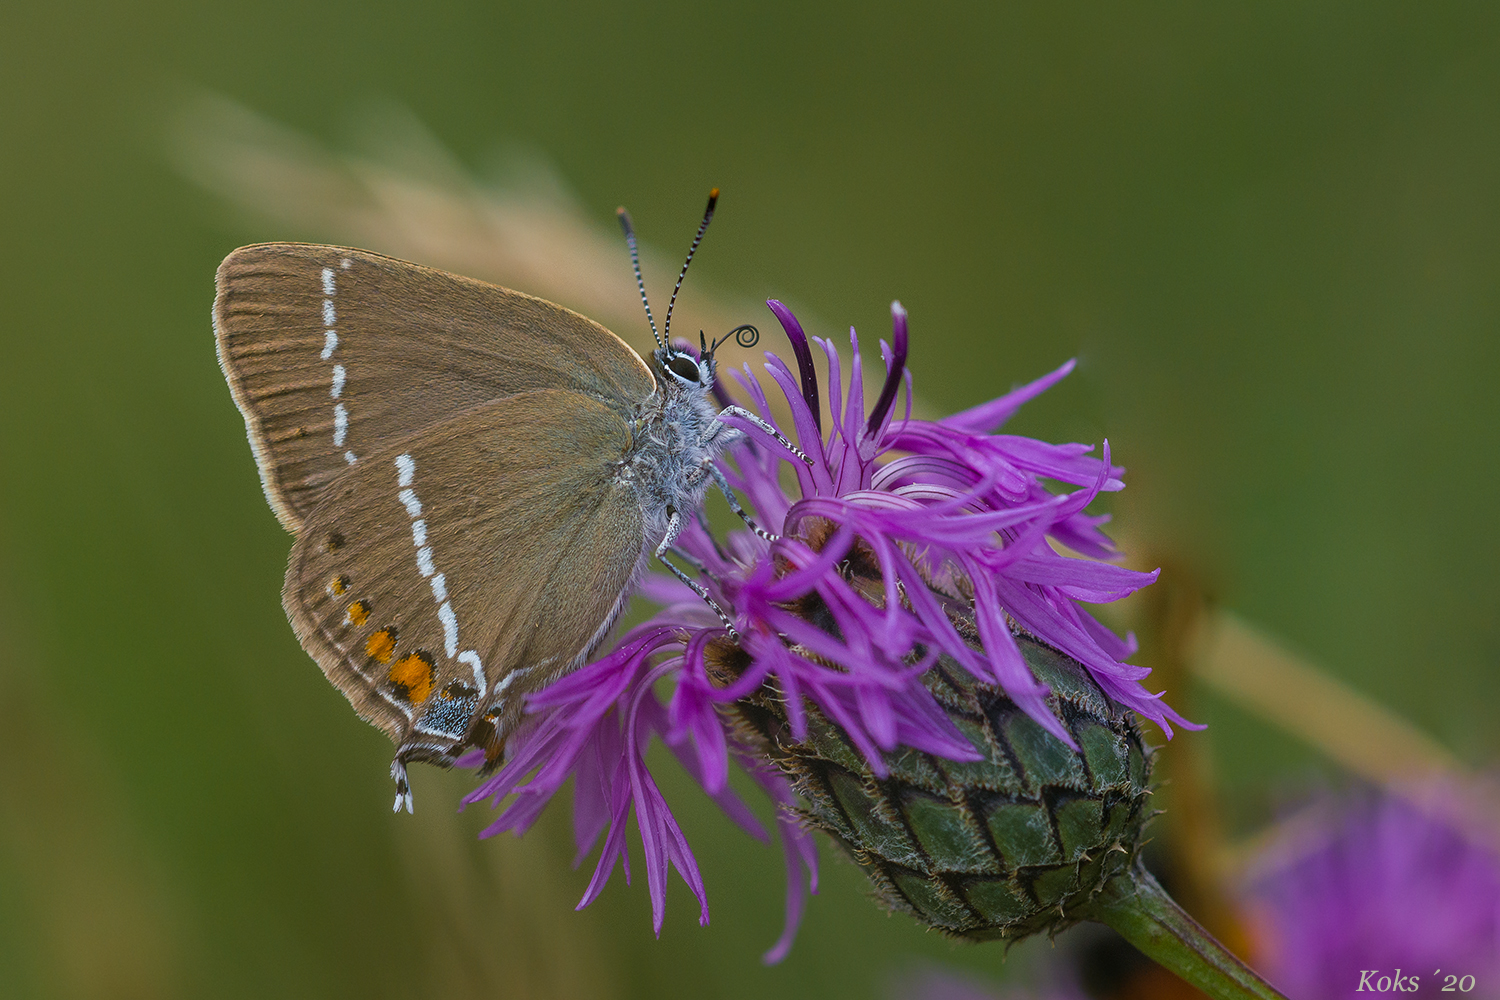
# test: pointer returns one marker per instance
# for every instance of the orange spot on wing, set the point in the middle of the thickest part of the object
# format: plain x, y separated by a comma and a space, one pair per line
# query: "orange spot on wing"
382, 645
358, 614
338, 586
412, 676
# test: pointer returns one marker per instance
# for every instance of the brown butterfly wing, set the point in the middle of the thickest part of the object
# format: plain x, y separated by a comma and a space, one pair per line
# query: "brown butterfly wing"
445, 575
332, 352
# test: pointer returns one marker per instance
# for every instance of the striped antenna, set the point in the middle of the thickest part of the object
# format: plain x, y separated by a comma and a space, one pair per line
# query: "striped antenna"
635, 262
708, 213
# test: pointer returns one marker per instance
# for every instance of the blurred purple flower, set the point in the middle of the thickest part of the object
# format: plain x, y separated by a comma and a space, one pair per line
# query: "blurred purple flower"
957, 521
1376, 888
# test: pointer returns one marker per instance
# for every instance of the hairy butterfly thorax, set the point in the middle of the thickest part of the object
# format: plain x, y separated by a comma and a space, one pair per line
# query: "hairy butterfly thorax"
678, 439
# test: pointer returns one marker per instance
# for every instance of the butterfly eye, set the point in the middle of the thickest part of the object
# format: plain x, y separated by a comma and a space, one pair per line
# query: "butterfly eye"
684, 367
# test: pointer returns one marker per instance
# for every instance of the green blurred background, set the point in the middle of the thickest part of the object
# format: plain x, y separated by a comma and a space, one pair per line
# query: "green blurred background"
1271, 233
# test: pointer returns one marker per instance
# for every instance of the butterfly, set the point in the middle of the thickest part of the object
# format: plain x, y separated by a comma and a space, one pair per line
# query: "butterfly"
477, 479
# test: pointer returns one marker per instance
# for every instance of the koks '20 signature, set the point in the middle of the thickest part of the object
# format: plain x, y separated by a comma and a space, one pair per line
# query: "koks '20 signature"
1373, 981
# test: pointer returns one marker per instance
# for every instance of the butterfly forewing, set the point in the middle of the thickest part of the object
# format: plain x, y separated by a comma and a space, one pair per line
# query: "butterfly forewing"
332, 353
449, 572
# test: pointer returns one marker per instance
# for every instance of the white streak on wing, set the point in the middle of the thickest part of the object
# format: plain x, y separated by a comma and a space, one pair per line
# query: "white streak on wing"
405, 470
330, 343
345, 263
450, 628
472, 659
406, 474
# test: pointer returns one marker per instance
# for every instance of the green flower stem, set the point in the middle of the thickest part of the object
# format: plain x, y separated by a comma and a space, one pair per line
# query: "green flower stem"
1134, 904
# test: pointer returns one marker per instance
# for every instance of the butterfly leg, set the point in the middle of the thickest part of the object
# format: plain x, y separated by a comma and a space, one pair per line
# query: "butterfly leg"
734, 504
674, 528
741, 412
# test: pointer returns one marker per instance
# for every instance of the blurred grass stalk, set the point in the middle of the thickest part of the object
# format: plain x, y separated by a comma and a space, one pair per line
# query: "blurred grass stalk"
408, 197
1250, 668
1189, 642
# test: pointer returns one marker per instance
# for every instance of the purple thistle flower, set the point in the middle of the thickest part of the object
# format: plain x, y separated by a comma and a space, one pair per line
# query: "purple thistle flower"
1375, 888
954, 522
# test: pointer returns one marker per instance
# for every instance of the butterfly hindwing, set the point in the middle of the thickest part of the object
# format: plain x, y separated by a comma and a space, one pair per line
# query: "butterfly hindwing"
331, 353
444, 576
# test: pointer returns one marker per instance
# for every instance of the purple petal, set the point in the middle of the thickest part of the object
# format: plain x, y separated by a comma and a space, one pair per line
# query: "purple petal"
895, 368
799, 851
804, 359
835, 379
985, 417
